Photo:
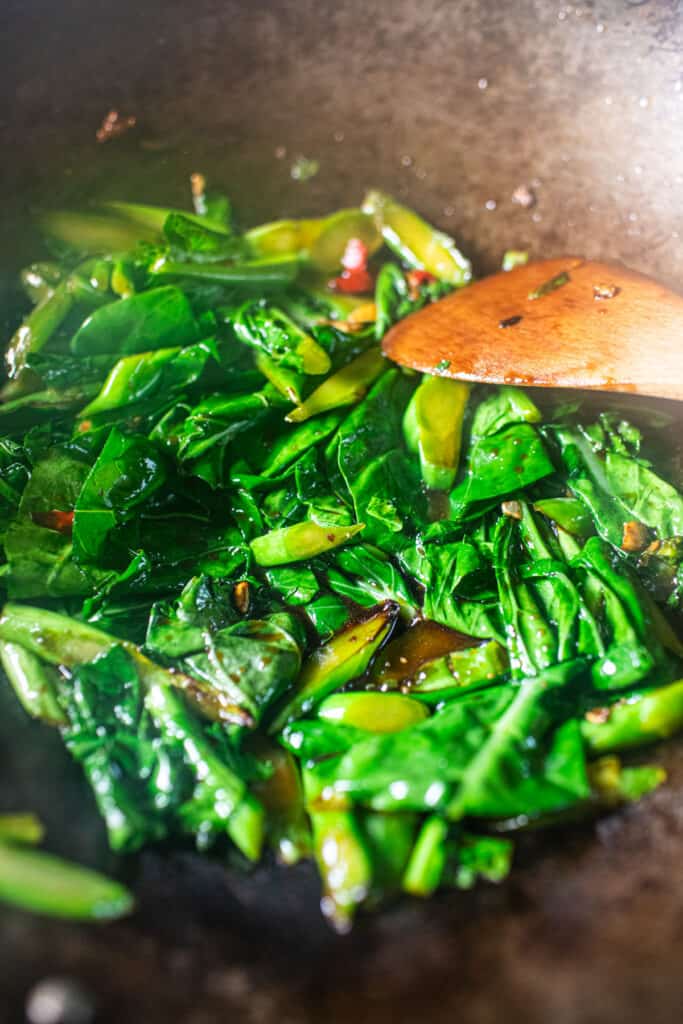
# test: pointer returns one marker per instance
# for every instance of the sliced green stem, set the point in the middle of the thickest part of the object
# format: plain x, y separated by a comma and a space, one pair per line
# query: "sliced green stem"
635, 721
346, 656
33, 683
344, 864
38, 327
61, 640
39, 882
428, 859
433, 427
417, 242
21, 828
300, 541
268, 273
346, 387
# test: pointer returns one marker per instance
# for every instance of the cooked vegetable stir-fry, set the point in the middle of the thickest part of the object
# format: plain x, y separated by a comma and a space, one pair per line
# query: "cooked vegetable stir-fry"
281, 596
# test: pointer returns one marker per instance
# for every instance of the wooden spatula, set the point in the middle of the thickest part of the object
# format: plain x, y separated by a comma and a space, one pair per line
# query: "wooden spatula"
554, 323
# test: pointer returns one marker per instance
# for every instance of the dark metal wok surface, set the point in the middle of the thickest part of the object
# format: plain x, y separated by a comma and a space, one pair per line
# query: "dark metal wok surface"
451, 104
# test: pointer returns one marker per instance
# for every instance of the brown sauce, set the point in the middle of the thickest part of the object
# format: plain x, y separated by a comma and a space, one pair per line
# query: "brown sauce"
439, 506
402, 658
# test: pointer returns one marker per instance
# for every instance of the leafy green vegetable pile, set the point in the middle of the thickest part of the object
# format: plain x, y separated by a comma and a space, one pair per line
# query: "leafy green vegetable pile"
280, 595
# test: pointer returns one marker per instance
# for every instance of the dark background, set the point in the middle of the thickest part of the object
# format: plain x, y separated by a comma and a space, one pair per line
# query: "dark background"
583, 103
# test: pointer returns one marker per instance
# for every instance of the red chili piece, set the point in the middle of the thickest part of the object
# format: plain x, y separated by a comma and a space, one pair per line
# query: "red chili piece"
417, 278
355, 277
54, 519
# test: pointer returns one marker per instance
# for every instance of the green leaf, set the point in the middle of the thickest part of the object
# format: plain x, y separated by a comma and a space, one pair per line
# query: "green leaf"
569, 514
503, 407
318, 739
203, 438
148, 375
254, 662
647, 497
68, 642
327, 614
504, 757
374, 578
271, 331
219, 800
103, 701
530, 639
159, 318
381, 479
39, 557
128, 471
200, 242
501, 464
505, 780
394, 300
587, 480
296, 586
457, 581
633, 646
293, 443
389, 839
153, 218
250, 276
204, 607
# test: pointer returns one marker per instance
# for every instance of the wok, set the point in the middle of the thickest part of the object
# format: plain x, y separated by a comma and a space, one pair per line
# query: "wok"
451, 106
